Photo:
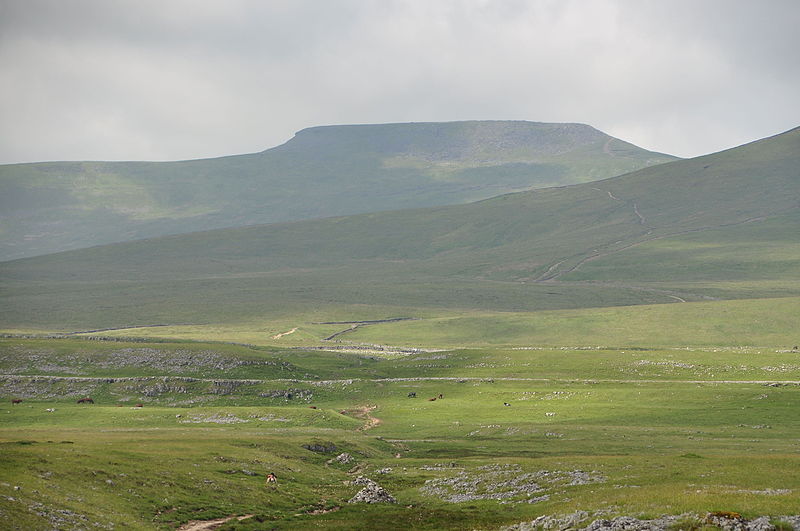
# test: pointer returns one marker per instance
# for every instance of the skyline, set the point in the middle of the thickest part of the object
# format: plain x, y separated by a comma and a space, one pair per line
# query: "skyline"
91, 80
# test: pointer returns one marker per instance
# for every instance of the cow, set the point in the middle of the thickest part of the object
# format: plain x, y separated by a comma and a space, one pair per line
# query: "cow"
506, 404
272, 478
312, 407
86, 400
441, 396
433, 399
412, 395
139, 405
15, 401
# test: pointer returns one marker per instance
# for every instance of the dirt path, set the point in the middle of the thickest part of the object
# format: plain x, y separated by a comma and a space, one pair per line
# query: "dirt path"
551, 275
278, 336
607, 147
364, 412
642, 219
207, 525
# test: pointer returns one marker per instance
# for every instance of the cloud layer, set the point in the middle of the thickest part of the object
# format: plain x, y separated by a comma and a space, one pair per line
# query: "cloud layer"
154, 80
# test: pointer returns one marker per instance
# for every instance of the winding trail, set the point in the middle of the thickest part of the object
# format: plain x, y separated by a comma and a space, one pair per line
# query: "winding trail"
207, 525
642, 219
278, 336
364, 413
607, 148
551, 275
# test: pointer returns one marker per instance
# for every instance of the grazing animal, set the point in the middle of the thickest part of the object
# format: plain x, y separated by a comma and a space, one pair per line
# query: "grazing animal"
312, 407
86, 400
15, 401
795, 347
441, 395
432, 399
50, 409
271, 478
506, 404
139, 405
412, 395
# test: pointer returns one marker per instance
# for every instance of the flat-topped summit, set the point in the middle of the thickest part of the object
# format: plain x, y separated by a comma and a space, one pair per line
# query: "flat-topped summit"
321, 172
487, 141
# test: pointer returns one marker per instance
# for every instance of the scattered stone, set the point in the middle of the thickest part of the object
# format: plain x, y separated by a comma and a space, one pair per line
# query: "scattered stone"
371, 493
386, 470
343, 458
727, 521
321, 448
566, 522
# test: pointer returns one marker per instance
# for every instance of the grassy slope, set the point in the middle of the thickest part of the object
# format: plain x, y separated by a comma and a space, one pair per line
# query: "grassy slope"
651, 426
670, 230
323, 171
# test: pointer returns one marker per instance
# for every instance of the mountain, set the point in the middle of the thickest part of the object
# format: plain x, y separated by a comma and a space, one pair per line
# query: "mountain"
719, 226
321, 172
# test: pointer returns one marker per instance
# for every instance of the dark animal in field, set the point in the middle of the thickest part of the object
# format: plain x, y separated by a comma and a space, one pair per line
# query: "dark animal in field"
412, 395
312, 407
432, 399
139, 405
506, 404
795, 347
271, 478
15, 401
441, 395
86, 400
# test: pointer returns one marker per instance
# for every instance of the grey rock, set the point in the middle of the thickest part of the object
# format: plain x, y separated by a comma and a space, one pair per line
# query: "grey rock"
372, 493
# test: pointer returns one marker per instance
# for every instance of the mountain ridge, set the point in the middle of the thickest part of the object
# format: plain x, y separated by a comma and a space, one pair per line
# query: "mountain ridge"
321, 172
721, 226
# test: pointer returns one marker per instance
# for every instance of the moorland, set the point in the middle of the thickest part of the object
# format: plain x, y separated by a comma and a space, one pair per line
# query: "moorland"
625, 346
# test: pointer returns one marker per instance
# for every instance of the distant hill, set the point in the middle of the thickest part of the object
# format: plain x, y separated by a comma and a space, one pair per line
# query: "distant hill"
321, 172
718, 226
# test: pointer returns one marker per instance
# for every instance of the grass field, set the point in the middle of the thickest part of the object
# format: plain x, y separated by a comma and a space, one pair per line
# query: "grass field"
640, 432
733, 323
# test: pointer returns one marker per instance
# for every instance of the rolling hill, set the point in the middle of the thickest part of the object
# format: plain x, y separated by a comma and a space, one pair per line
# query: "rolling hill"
721, 226
321, 172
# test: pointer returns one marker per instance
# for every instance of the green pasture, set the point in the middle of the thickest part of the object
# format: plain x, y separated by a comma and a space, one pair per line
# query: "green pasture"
638, 431
767, 323
755, 322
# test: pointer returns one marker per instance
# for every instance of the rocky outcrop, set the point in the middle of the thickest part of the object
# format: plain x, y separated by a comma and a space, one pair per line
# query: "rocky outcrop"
727, 521
371, 493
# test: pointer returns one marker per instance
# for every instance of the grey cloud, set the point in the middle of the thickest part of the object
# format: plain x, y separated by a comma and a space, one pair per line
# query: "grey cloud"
183, 79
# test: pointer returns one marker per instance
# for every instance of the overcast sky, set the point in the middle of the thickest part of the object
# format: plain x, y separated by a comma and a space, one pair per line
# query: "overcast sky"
179, 79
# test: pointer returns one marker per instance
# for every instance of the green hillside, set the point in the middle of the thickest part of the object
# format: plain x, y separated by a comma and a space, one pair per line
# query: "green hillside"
719, 226
321, 172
